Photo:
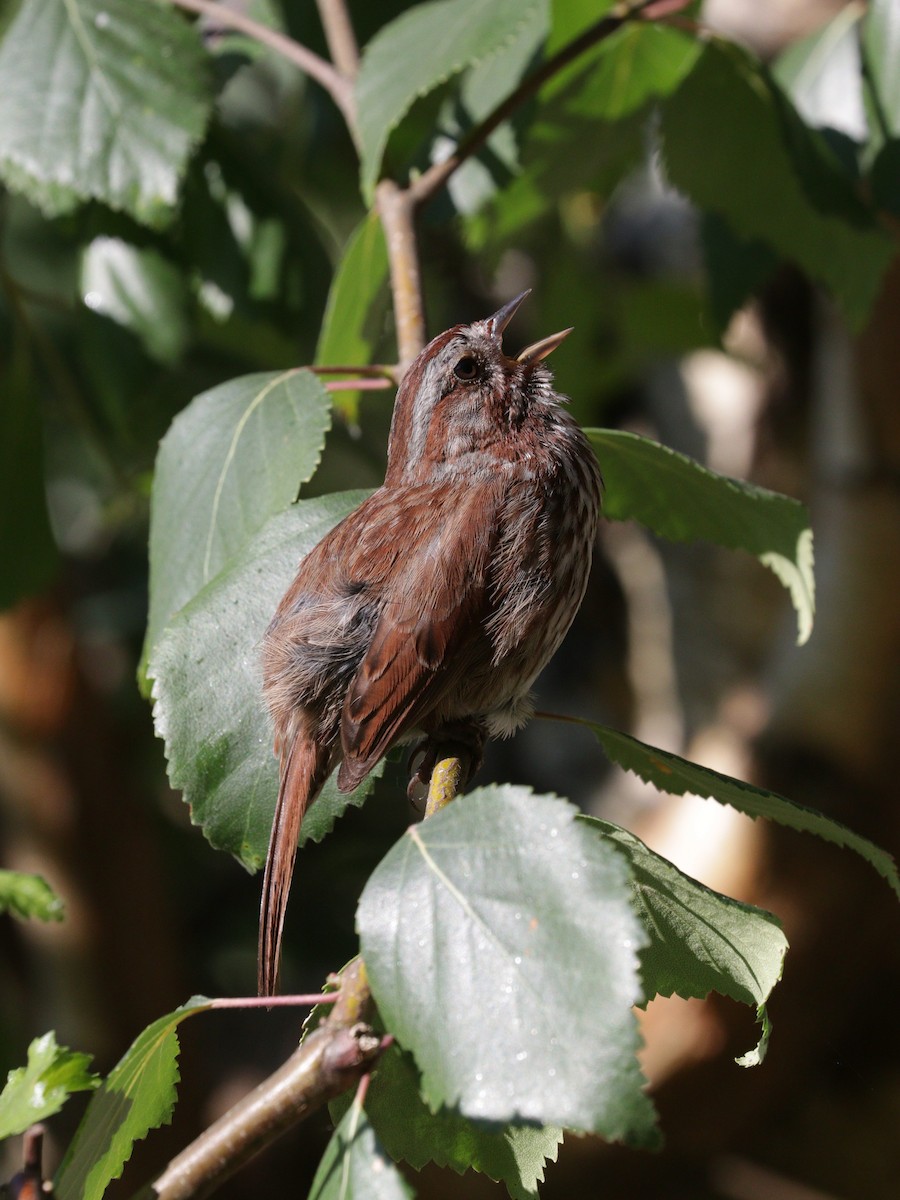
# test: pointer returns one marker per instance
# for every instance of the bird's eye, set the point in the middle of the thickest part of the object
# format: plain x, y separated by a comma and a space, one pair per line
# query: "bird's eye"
466, 368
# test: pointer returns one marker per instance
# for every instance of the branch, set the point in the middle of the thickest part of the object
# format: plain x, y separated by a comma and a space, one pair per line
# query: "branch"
337, 86
396, 209
340, 36
329, 1060
431, 181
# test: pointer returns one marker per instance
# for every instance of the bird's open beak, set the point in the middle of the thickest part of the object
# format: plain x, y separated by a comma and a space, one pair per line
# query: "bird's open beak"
538, 351
502, 317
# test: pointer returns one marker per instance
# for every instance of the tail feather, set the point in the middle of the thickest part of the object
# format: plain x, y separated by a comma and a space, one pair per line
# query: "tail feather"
304, 770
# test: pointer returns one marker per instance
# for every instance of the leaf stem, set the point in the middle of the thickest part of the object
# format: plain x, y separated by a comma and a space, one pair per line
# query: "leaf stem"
333, 81
299, 1001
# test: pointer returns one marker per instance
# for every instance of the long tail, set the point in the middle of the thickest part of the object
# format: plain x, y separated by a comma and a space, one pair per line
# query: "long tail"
304, 770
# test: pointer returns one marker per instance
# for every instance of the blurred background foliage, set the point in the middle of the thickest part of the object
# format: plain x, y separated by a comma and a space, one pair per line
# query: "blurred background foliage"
689, 325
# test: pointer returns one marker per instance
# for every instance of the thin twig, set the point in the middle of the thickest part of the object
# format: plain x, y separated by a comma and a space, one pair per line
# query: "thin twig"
328, 1061
340, 36
375, 369
274, 1001
358, 385
431, 181
337, 86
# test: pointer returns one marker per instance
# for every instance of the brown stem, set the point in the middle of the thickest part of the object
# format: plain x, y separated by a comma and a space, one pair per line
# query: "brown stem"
432, 180
340, 36
396, 208
329, 1061
337, 86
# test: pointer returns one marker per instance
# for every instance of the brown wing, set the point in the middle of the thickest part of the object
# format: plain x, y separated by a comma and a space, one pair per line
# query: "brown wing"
431, 626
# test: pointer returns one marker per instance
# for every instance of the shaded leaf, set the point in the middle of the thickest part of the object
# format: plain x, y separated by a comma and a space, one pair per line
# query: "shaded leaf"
433, 41
411, 1132
881, 49
354, 1166
237, 454
822, 74
207, 689
699, 940
357, 306
29, 896
41, 1088
138, 1095
502, 905
736, 268
679, 777
140, 290
588, 128
102, 100
679, 499
750, 158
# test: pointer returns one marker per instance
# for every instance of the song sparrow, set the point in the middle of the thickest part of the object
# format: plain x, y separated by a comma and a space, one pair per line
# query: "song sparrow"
432, 607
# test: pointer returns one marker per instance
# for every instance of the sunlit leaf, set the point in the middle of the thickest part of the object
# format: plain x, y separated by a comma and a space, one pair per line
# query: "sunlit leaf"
41, 1088
503, 906
207, 687
433, 41
235, 456
29, 896
140, 290
102, 100
357, 305
138, 1095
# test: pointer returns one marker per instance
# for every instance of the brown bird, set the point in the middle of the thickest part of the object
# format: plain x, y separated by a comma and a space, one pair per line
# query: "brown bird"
431, 608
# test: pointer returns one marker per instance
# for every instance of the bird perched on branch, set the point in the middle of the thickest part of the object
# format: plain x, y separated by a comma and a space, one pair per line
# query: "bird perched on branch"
431, 608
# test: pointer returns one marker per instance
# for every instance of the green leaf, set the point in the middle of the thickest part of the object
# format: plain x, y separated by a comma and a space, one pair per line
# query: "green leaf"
680, 500
679, 777
480, 91
822, 74
588, 130
235, 456
700, 940
101, 100
27, 546
354, 1166
750, 158
433, 41
207, 689
881, 51
138, 1095
41, 1088
736, 268
502, 905
357, 304
411, 1132
29, 896
140, 290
